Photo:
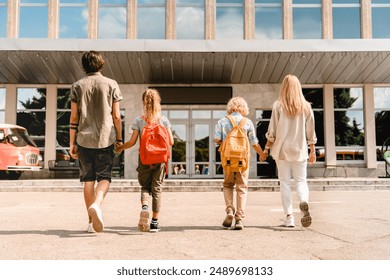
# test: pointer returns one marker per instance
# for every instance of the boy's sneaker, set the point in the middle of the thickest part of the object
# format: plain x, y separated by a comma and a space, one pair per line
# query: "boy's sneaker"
143, 223
154, 227
306, 219
228, 219
96, 214
289, 222
90, 228
239, 225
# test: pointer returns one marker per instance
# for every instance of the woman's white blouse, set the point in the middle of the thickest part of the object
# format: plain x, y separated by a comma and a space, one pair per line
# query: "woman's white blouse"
290, 135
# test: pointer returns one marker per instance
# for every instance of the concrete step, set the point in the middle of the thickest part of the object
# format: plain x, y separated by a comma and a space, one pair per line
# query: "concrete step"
170, 185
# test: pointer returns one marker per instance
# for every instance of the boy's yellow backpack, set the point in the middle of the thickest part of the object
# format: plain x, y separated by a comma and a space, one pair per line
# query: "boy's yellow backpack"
235, 149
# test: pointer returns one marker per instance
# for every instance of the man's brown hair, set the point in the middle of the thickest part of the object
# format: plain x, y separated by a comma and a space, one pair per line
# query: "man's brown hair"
92, 62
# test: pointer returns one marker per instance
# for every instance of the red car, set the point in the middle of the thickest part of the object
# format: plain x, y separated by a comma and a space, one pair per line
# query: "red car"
18, 152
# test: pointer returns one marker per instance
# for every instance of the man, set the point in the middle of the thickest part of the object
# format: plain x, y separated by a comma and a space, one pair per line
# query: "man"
236, 108
95, 128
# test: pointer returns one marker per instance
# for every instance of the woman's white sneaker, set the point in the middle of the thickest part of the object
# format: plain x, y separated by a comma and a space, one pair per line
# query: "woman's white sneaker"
289, 222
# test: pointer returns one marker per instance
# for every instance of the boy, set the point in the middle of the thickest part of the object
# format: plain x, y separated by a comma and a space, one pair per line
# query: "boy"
236, 108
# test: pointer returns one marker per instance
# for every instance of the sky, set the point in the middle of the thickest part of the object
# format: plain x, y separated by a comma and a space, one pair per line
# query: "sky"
190, 20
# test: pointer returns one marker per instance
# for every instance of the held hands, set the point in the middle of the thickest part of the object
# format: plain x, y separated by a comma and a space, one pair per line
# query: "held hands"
264, 155
118, 147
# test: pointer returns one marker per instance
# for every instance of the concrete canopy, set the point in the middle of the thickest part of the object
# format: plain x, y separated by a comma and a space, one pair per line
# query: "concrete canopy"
57, 61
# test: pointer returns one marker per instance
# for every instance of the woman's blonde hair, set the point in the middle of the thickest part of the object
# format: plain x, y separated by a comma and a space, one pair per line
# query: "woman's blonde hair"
152, 107
291, 97
237, 104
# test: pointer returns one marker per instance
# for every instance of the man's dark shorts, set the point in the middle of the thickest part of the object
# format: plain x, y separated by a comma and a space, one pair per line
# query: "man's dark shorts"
96, 164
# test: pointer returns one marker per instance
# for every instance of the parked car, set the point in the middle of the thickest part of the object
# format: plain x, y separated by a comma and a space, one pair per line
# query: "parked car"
18, 152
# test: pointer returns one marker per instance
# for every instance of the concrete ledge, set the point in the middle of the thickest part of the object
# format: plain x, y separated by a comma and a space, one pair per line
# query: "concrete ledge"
265, 185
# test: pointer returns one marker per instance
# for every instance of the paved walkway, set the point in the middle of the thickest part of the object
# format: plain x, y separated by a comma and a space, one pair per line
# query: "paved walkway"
347, 225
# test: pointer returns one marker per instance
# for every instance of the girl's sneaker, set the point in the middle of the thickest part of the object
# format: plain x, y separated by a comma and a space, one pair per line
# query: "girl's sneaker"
143, 223
154, 227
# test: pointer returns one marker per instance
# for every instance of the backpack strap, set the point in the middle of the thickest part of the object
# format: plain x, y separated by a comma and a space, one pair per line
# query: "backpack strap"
243, 121
232, 120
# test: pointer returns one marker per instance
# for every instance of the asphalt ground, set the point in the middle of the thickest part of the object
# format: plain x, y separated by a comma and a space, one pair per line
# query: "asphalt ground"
347, 225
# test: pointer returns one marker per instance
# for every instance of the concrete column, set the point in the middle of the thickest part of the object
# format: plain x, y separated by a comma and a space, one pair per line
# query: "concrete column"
131, 31
10, 104
132, 98
13, 19
93, 14
369, 125
210, 14
327, 24
287, 19
170, 19
51, 124
54, 7
249, 19
366, 19
330, 143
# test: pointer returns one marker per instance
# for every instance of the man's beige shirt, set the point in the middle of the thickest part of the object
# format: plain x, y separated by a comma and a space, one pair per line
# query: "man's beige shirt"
95, 95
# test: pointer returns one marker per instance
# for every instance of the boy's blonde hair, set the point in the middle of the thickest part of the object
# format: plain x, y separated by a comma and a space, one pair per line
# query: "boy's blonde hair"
237, 104
152, 107
291, 97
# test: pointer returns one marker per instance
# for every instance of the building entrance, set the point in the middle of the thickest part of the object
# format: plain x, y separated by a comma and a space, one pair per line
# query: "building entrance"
194, 154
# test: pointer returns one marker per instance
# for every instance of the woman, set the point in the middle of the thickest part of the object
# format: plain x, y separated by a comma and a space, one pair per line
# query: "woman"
150, 177
290, 131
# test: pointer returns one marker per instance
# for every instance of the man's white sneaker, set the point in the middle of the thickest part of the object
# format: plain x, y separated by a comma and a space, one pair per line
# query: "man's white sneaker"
289, 222
90, 228
96, 214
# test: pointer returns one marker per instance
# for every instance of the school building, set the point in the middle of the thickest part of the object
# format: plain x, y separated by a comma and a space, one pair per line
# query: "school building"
199, 54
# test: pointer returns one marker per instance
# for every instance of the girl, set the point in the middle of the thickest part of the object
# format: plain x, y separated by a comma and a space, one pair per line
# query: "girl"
150, 177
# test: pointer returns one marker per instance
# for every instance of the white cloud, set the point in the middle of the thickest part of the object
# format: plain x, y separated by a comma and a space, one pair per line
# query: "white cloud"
230, 24
382, 97
84, 15
112, 23
190, 23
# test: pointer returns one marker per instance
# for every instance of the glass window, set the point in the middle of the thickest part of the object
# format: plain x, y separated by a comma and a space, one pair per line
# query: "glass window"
268, 167
346, 19
307, 15
73, 19
349, 123
190, 19
218, 114
151, 19
2, 104
380, 18
315, 97
33, 19
178, 114
179, 149
3, 18
112, 19
201, 115
230, 19
31, 113
268, 19
382, 120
